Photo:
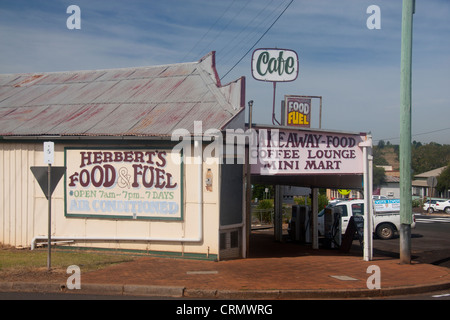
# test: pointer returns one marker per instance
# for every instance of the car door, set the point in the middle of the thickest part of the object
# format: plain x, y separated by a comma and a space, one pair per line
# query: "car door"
344, 217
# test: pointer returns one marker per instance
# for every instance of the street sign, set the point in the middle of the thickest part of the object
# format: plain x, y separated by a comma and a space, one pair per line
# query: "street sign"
432, 182
41, 175
49, 152
45, 176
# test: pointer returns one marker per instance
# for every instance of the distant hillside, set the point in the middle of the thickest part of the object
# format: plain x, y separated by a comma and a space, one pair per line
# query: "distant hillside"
424, 157
387, 156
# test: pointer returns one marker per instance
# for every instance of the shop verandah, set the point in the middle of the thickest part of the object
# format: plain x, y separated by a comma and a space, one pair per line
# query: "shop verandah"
313, 159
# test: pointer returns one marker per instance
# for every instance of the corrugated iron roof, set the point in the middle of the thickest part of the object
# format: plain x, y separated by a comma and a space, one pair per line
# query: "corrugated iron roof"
144, 101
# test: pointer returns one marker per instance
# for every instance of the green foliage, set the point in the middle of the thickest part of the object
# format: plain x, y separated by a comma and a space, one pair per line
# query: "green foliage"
379, 177
265, 204
417, 203
323, 201
444, 180
258, 191
378, 158
424, 157
429, 156
29, 259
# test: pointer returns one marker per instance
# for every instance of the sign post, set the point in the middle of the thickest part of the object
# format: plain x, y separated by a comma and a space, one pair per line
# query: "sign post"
48, 181
274, 65
49, 156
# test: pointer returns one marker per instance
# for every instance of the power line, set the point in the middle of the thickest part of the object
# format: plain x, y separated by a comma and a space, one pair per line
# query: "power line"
253, 33
210, 28
414, 135
250, 23
268, 29
225, 27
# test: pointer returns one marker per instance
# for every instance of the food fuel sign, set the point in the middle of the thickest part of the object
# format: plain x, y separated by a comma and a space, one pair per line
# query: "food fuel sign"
123, 183
297, 111
274, 65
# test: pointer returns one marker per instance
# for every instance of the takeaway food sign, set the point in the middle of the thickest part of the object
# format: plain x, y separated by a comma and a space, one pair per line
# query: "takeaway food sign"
274, 65
123, 183
292, 152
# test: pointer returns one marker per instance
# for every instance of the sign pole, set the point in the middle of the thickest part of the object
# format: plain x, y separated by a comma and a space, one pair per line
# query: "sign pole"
405, 132
49, 194
49, 157
47, 186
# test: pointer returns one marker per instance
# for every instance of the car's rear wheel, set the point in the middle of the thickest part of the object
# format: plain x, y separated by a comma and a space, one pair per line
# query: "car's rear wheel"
385, 231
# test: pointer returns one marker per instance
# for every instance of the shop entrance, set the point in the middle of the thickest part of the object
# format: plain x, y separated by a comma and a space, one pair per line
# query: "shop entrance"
314, 159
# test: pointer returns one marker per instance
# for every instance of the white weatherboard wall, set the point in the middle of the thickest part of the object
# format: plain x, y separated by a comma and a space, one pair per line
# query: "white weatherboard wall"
24, 209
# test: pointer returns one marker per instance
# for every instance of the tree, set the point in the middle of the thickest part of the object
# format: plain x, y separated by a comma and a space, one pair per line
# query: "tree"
379, 177
258, 191
429, 156
444, 180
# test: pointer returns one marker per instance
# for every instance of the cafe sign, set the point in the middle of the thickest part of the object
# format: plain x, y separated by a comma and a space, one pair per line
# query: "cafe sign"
123, 183
274, 65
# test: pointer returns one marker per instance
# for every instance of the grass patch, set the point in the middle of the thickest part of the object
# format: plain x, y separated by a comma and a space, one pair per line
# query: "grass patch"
14, 259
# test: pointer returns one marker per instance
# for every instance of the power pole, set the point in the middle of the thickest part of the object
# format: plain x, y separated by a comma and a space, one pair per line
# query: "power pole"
405, 132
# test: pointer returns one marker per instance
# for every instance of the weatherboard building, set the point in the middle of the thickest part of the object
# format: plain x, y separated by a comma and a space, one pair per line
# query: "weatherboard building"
124, 186
146, 167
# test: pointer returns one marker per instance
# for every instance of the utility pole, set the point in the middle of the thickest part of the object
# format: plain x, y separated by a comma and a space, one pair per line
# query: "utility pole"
405, 132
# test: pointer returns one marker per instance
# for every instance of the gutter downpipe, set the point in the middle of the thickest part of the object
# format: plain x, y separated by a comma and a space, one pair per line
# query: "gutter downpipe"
198, 160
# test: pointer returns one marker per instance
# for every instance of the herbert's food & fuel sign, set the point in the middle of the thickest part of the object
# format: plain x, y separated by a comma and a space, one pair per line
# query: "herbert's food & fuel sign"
123, 183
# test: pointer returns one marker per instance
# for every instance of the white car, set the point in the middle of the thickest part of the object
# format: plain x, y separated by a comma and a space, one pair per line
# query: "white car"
385, 223
443, 205
430, 206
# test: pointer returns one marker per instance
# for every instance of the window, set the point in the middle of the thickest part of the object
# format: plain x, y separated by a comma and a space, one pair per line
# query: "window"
344, 212
358, 209
223, 241
234, 239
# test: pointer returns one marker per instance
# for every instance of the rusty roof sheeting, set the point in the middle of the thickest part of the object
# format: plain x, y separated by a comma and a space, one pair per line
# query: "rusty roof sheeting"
145, 101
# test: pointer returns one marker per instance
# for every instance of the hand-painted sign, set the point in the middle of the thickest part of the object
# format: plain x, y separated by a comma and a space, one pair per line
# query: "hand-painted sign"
286, 152
275, 65
298, 111
123, 183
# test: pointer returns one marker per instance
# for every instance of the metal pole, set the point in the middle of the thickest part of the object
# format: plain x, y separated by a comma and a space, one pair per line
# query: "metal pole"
278, 213
273, 107
405, 132
367, 233
49, 196
248, 191
370, 186
315, 212
320, 113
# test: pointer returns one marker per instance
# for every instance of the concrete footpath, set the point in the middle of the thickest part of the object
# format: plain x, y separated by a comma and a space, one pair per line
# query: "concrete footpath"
275, 271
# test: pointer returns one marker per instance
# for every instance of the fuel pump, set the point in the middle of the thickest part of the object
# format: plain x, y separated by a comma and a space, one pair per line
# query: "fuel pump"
332, 227
299, 228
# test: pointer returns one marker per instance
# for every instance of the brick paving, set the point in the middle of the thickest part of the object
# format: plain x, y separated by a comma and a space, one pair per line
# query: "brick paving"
272, 266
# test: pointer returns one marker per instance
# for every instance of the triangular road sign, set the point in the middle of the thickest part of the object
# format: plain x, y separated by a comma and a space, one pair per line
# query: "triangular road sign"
41, 175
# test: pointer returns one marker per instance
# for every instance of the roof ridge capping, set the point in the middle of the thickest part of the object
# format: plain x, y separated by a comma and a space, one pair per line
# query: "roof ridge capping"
234, 91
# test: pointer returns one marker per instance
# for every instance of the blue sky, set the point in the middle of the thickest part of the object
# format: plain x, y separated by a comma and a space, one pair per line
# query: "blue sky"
356, 70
